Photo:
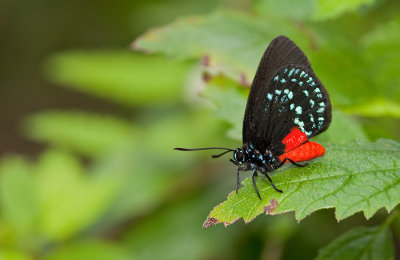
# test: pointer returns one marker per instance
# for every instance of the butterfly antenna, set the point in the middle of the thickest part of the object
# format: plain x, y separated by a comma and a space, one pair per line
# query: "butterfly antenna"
208, 148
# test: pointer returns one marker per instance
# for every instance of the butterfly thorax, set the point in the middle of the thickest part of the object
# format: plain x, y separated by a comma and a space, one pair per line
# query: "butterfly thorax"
248, 157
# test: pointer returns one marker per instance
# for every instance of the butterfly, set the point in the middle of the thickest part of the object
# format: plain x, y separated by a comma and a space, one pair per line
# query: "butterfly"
287, 105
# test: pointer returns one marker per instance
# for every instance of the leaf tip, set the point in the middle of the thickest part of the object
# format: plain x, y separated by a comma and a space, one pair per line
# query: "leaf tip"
210, 222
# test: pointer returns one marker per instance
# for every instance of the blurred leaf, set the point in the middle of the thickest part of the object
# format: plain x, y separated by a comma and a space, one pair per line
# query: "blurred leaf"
69, 200
175, 232
341, 66
376, 108
233, 40
18, 196
150, 168
90, 250
231, 105
299, 10
13, 254
351, 177
382, 53
361, 243
88, 134
327, 9
124, 77
340, 124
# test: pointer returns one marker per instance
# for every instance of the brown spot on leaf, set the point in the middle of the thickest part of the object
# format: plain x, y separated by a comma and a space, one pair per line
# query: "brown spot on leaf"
210, 222
206, 77
205, 60
271, 207
243, 80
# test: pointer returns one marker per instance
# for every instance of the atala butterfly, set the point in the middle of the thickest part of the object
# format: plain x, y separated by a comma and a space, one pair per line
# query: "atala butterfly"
286, 106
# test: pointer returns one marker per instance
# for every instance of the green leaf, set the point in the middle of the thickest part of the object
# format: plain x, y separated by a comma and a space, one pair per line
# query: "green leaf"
124, 77
18, 195
231, 39
298, 10
88, 134
383, 57
90, 250
146, 185
327, 9
376, 108
69, 200
231, 104
361, 243
13, 254
174, 231
340, 124
351, 177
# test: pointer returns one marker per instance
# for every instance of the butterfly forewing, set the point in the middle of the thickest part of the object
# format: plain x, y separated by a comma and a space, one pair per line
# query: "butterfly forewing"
285, 94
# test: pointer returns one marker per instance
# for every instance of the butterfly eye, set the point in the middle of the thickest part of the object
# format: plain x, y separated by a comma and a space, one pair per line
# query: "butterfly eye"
238, 155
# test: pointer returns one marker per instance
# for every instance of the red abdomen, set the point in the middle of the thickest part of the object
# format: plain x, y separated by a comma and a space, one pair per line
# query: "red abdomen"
304, 152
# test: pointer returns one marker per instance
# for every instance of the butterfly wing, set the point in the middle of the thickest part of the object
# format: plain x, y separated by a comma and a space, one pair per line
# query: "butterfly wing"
285, 95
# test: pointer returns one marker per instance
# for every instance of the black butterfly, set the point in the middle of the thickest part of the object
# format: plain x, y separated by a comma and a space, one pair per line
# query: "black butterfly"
287, 105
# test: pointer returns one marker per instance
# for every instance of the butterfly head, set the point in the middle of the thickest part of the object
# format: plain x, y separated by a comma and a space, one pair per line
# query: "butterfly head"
239, 156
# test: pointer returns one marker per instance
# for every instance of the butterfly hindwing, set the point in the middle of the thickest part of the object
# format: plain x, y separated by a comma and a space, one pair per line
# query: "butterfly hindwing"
284, 98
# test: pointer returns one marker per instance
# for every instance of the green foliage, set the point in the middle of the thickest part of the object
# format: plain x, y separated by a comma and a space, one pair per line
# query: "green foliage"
326, 9
316, 10
351, 177
35, 198
124, 77
88, 134
91, 250
233, 40
361, 243
234, 43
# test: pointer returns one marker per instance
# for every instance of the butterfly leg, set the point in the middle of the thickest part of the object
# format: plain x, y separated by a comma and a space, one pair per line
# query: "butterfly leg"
254, 183
282, 163
272, 183
292, 162
237, 180
296, 164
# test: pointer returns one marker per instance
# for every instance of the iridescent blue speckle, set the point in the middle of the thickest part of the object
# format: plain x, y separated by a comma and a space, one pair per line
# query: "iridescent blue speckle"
283, 80
294, 80
305, 93
291, 72
278, 92
276, 78
312, 84
319, 95
285, 71
291, 106
317, 90
302, 73
290, 95
269, 96
286, 91
299, 110
312, 102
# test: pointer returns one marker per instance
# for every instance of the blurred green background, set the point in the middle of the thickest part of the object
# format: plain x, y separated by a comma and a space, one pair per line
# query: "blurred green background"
87, 124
